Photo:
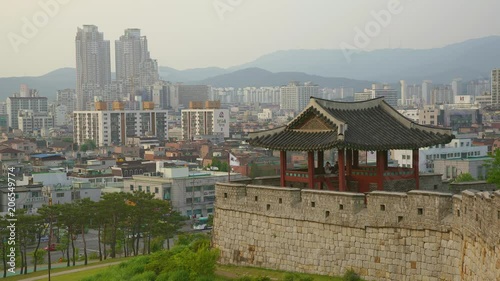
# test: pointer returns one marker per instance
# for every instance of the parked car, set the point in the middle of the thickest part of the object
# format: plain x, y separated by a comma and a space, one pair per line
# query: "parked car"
51, 248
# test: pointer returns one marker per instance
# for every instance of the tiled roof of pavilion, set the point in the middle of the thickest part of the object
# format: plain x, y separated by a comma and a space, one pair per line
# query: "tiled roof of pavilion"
368, 125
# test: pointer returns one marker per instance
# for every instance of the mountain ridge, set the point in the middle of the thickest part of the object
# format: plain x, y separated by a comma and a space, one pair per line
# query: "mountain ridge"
470, 60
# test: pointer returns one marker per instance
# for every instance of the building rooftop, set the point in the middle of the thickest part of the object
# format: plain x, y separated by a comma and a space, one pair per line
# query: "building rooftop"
368, 125
45, 155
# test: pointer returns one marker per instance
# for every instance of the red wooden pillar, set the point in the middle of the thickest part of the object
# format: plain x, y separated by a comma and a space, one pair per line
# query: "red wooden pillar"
310, 168
415, 166
355, 159
380, 169
386, 159
341, 160
321, 158
348, 160
282, 168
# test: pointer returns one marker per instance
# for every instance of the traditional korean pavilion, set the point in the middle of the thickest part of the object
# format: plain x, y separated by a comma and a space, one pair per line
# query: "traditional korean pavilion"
349, 127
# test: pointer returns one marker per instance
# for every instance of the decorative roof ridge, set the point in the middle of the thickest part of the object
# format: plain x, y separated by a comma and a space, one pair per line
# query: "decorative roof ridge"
315, 104
349, 105
262, 133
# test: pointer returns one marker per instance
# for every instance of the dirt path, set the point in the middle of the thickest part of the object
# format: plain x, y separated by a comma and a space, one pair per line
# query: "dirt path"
71, 271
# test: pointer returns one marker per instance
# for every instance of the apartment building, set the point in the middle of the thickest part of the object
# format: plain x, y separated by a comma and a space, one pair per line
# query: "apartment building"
114, 127
198, 122
456, 149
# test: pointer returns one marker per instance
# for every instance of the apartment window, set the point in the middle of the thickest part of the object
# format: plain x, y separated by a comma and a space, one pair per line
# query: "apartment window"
197, 199
209, 188
189, 189
59, 194
140, 187
420, 211
189, 200
382, 207
148, 189
197, 188
131, 187
209, 199
157, 190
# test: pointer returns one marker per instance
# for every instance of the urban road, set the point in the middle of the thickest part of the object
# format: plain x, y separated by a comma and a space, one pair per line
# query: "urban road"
92, 247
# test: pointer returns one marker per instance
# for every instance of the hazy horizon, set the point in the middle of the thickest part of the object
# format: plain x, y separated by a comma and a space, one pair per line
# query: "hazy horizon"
225, 33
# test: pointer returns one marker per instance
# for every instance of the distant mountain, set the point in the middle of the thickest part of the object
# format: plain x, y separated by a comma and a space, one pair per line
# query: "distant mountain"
261, 78
472, 59
469, 60
174, 75
47, 85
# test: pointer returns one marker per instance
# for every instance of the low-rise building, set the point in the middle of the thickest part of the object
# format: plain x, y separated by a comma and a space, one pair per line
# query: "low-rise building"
192, 193
452, 168
456, 149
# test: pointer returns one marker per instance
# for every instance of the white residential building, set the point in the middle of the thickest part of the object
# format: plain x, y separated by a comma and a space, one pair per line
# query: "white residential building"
202, 122
265, 115
93, 64
411, 114
134, 67
390, 95
110, 127
14, 104
67, 97
29, 121
495, 86
456, 149
296, 97
190, 192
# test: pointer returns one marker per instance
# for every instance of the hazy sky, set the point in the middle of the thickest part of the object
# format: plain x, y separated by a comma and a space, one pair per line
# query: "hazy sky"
194, 33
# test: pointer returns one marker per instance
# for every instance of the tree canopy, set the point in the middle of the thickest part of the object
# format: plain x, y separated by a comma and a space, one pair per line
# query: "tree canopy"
493, 169
466, 177
88, 145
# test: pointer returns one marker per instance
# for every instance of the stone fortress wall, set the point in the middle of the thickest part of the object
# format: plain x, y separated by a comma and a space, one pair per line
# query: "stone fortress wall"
419, 235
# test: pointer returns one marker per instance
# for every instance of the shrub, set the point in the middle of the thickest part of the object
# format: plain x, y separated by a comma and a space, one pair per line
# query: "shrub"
351, 275
263, 278
93, 256
244, 278
205, 278
145, 276
297, 277
40, 256
179, 275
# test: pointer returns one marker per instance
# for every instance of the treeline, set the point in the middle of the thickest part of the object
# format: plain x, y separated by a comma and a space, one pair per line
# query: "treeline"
120, 219
190, 259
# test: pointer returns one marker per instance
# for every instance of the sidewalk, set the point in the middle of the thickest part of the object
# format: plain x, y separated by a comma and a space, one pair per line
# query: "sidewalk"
71, 271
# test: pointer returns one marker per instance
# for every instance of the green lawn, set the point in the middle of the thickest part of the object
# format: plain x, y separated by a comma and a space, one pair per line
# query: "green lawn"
224, 272
43, 272
78, 275
234, 272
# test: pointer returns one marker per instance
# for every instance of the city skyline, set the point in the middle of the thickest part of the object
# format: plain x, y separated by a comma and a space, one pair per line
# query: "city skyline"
225, 33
